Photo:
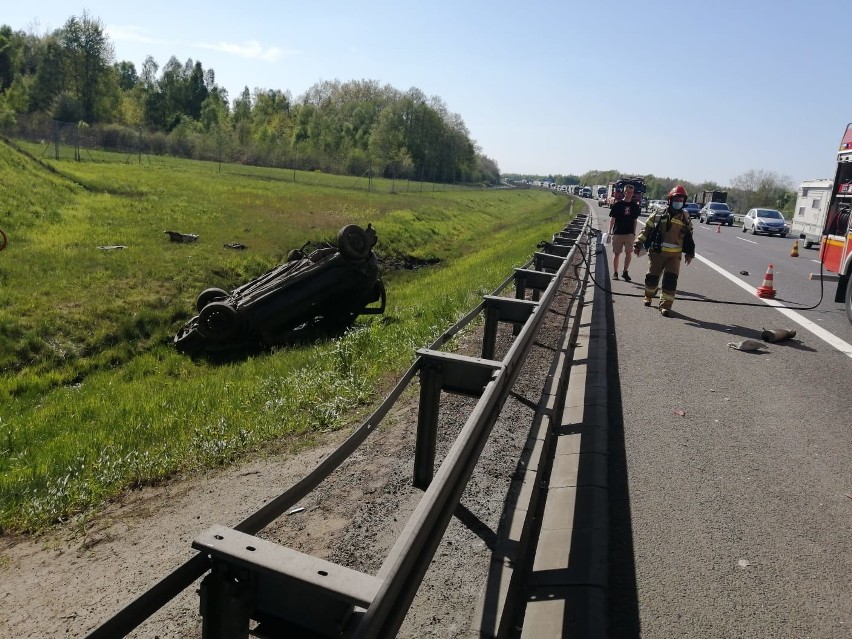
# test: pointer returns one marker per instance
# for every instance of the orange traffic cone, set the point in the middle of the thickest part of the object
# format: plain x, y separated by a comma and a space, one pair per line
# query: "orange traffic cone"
795, 251
767, 289
719, 229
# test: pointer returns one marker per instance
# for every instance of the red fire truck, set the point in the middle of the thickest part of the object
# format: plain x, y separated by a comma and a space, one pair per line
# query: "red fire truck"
835, 250
615, 190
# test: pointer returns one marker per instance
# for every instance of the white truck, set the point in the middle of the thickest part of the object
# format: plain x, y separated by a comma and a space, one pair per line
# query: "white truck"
811, 208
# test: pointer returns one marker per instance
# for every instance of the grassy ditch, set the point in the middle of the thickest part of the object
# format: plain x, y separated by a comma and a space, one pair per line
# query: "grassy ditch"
93, 398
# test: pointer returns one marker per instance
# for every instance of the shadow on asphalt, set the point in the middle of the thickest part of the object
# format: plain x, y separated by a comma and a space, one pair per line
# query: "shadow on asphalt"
622, 597
729, 329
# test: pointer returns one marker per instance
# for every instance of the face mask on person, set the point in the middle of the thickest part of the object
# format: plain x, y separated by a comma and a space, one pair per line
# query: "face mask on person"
677, 206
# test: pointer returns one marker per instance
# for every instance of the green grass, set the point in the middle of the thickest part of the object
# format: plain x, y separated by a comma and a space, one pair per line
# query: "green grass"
94, 399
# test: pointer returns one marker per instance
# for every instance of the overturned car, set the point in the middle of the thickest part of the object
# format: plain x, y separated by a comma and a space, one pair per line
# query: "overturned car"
331, 284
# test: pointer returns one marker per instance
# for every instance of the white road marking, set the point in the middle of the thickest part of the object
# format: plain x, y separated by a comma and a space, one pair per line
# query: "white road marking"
742, 239
815, 261
829, 338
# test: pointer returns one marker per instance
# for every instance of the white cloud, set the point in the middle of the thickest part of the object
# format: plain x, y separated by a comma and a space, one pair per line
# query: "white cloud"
130, 34
251, 49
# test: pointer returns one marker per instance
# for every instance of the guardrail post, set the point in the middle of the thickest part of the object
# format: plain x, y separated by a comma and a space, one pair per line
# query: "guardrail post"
549, 261
289, 593
536, 280
489, 331
503, 309
427, 422
224, 608
439, 372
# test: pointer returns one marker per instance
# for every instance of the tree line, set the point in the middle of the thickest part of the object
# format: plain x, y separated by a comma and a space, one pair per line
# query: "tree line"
71, 76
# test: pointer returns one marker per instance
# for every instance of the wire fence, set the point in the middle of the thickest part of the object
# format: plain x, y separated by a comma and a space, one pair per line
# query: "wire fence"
80, 142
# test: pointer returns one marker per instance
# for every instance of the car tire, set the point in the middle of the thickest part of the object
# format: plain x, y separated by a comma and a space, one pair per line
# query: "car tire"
783, 235
218, 321
808, 244
353, 243
744, 228
731, 223
188, 340
209, 295
754, 230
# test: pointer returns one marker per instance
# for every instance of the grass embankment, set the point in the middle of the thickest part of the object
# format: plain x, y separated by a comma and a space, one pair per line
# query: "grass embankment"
94, 399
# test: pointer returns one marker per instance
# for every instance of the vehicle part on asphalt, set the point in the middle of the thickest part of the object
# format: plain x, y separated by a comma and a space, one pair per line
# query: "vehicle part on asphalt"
777, 334
332, 284
748, 345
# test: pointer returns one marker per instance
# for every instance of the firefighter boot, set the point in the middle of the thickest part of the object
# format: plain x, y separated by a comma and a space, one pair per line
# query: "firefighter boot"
646, 300
665, 308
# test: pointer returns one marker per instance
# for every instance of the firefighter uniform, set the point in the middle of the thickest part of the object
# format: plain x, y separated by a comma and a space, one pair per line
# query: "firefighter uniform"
666, 235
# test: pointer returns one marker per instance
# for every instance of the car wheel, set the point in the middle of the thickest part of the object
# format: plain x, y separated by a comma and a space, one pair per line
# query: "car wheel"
754, 230
783, 235
188, 339
209, 295
353, 242
808, 244
218, 321
744, 228
731, 223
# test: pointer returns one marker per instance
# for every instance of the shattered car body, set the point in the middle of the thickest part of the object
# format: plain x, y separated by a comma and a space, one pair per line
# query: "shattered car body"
334, 284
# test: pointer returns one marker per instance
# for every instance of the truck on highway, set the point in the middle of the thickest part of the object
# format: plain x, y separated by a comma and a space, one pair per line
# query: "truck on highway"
705, 197
615, 190
835, 250
811, 209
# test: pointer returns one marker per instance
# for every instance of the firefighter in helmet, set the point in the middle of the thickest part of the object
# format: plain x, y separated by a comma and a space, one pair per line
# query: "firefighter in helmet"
666, 236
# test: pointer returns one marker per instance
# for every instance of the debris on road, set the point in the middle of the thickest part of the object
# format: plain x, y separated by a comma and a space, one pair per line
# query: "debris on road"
777, 334
748, 345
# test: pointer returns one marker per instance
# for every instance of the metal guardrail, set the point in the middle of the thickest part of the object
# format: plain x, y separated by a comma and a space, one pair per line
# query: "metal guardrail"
253, 579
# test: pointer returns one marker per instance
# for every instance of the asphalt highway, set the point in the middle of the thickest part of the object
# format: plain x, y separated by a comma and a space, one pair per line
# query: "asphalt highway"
730, 472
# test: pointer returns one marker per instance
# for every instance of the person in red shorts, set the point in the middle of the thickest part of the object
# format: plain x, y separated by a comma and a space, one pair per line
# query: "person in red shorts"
622, 228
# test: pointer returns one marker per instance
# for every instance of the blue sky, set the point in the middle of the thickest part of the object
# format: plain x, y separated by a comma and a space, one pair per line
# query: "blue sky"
699, 91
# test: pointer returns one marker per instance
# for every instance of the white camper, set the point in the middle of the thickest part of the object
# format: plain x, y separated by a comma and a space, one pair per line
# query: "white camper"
809, 214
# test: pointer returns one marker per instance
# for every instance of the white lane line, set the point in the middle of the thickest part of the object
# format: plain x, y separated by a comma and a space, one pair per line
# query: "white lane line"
815, 261
829, 338
742, 239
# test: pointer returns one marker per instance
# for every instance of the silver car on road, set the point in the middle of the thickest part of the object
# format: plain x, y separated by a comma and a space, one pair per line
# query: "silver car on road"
767, 221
